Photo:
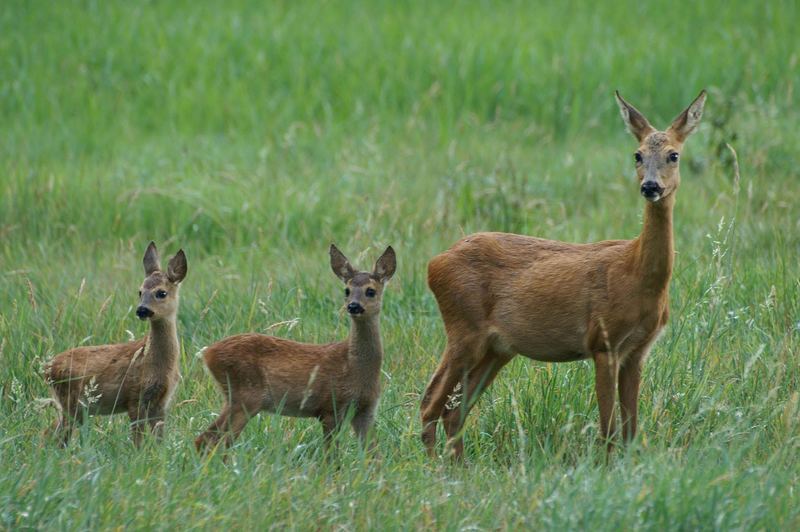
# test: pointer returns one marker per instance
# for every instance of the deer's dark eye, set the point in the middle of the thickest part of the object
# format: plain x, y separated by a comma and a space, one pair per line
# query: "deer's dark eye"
346, 292
673, 157
161, 294
370, 292
637, 157
140, 293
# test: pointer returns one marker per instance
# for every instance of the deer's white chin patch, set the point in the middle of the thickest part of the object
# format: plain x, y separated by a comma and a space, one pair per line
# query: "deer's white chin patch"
654, 198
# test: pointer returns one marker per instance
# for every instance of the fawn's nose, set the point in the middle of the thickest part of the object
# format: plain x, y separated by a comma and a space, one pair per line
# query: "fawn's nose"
355, 308
143, 312
652, 190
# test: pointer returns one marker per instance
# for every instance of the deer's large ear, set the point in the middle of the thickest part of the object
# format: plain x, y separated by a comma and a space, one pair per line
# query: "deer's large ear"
635, 121
176, 269
687, 121
385, 266
150, 260
340, 265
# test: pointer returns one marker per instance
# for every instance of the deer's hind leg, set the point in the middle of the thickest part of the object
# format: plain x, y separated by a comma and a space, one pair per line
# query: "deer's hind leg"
66, 394
460, 356
242, 410
214, 433
479, 378
230, 423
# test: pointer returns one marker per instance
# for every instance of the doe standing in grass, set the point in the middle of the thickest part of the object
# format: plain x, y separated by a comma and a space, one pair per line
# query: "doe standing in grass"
137, 377
258, 372
501, 295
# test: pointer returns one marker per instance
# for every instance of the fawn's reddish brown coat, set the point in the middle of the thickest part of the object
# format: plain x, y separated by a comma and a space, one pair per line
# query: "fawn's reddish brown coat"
257, 372
502, 294
137, 378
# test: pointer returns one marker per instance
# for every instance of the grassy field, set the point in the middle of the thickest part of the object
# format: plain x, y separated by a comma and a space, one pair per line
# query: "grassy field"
253, 135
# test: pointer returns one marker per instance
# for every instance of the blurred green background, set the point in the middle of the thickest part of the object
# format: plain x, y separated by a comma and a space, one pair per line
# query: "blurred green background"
253, 134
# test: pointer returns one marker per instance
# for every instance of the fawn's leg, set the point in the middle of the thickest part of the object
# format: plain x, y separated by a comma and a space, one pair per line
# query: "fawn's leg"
362, 423
71, 415
211, 436
155, 420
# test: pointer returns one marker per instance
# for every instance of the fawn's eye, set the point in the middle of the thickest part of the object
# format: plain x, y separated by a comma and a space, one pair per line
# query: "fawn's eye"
370, 292
673, 157
346, 292
140, 293
637, 157
161, 294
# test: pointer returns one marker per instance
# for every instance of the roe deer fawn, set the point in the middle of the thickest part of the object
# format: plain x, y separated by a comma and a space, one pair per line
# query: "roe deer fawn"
137, 377
257, 372
502, 294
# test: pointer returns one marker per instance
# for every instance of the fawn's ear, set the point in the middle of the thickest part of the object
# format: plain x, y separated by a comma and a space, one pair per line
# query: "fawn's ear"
340, 265
386, 265
150, 261
635, 121
176, 269
686, 122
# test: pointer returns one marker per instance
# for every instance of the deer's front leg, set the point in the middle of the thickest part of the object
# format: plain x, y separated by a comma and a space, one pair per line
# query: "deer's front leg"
155, 419
362, 423
138, 419
606, 370
630, 377
330, 426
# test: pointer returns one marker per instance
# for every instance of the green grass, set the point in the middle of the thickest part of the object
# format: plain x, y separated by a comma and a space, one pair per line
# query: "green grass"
255, 134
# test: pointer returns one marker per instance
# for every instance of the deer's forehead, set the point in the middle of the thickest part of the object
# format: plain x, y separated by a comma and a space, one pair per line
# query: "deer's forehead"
656, 142
362, 279
155, 280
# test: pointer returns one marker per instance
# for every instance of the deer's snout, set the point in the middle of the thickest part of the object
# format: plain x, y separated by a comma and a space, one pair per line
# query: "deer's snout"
651, 190
355, 308
143, 312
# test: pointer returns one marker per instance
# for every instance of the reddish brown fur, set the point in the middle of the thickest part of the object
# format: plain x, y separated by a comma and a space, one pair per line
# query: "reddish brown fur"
502, 294
137, 378
257, 372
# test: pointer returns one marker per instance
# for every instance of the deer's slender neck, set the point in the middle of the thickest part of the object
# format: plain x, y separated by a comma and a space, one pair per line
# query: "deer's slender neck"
655, 248
161, 346
365, 342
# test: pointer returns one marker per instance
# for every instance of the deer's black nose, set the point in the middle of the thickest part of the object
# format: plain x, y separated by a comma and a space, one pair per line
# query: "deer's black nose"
143, 312
651, 189
355, 308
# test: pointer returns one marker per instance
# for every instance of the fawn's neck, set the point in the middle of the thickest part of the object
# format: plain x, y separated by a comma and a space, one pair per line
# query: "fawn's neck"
161, 346
655, 250
365, 350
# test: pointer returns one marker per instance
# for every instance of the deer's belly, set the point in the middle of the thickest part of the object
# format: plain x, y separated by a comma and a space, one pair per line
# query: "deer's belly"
546, 344
305, 403
301, 403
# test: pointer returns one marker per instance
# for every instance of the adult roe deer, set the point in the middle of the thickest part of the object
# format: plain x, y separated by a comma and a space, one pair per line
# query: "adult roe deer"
258, 372
137, 377
501, 295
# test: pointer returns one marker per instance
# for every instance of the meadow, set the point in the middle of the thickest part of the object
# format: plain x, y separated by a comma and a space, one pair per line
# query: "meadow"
254, 134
